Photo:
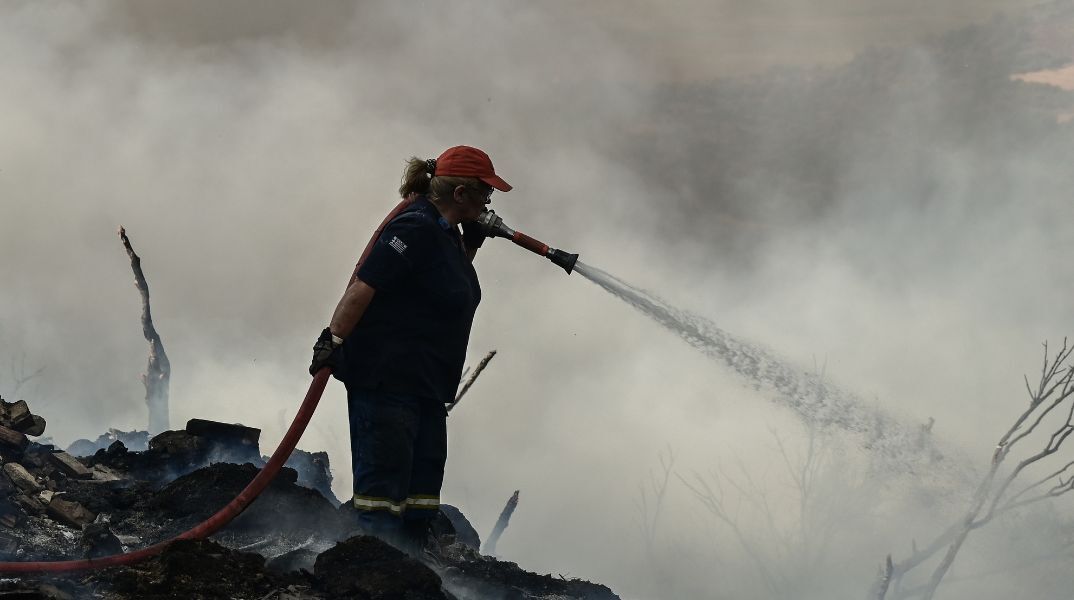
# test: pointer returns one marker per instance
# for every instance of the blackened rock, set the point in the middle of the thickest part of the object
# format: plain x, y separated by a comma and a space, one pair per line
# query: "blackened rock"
366, 567
144, 466
107, 496
191, 569
487, 577
460, 526
303, 559
282, 508
98, 540
172, 454
178, 444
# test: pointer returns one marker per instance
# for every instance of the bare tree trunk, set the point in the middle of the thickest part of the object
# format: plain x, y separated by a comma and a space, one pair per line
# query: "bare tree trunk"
501, 524
158, 370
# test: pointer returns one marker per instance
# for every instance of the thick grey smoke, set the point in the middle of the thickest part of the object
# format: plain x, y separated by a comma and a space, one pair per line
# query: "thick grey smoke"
848, 183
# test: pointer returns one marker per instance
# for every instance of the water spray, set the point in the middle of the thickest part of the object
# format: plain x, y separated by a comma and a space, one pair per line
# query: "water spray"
896, 444
494, 227
816, 401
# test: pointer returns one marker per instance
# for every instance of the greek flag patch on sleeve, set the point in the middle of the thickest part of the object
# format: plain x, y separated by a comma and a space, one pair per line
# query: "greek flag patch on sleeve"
397, 245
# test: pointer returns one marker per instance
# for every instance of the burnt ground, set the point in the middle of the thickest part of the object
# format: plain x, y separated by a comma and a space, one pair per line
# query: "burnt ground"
292, 543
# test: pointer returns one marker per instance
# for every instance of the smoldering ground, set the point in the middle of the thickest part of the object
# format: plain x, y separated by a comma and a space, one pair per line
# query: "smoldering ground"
892, 217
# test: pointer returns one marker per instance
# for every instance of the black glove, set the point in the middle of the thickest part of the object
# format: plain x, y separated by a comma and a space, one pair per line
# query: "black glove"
473, 235
325, 352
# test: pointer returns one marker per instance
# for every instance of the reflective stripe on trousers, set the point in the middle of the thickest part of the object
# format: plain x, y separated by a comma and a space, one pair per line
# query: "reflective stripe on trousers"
371, 503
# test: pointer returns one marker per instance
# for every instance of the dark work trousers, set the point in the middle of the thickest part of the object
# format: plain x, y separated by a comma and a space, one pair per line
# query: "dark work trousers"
398, 453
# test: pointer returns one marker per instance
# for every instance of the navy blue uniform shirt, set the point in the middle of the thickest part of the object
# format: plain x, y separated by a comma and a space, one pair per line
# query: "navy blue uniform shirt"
412, 338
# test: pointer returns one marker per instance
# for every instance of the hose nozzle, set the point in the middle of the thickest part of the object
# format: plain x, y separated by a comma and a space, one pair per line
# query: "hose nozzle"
562, 259
494, 227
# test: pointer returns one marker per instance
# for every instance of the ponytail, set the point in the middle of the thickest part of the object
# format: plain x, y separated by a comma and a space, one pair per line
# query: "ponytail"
416, 176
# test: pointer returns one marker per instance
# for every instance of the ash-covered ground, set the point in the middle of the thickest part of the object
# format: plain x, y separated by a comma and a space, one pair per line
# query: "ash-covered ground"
295, 542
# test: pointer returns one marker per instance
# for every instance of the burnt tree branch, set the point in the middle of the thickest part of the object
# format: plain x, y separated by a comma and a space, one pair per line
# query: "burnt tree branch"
158, 369
469, 382
501, 524
990, 499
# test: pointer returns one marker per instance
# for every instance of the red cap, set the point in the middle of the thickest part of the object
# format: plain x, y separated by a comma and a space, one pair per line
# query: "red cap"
466, 161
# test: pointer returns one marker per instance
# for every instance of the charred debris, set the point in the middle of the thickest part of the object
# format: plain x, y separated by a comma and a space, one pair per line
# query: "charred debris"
295, 542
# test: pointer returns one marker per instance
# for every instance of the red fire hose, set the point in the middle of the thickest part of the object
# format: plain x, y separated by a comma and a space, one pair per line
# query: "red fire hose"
213, 523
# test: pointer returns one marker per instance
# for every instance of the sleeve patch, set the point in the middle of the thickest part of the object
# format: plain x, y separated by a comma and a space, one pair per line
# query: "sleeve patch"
397, 244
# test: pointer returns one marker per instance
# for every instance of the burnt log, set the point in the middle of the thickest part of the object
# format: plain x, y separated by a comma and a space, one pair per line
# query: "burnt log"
69, 513
22, 478
70, 465
36, 426
227, 433
15, 415
12, 439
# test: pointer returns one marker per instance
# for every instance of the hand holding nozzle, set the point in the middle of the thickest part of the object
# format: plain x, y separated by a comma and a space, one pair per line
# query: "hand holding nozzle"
494, 227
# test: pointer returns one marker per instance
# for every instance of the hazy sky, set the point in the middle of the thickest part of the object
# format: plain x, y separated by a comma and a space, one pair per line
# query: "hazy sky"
250, 147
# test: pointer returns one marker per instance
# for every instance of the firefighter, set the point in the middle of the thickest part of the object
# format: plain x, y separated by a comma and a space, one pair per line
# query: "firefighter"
397, 340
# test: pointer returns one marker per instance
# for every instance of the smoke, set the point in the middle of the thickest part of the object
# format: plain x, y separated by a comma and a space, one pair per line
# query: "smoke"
848, 183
